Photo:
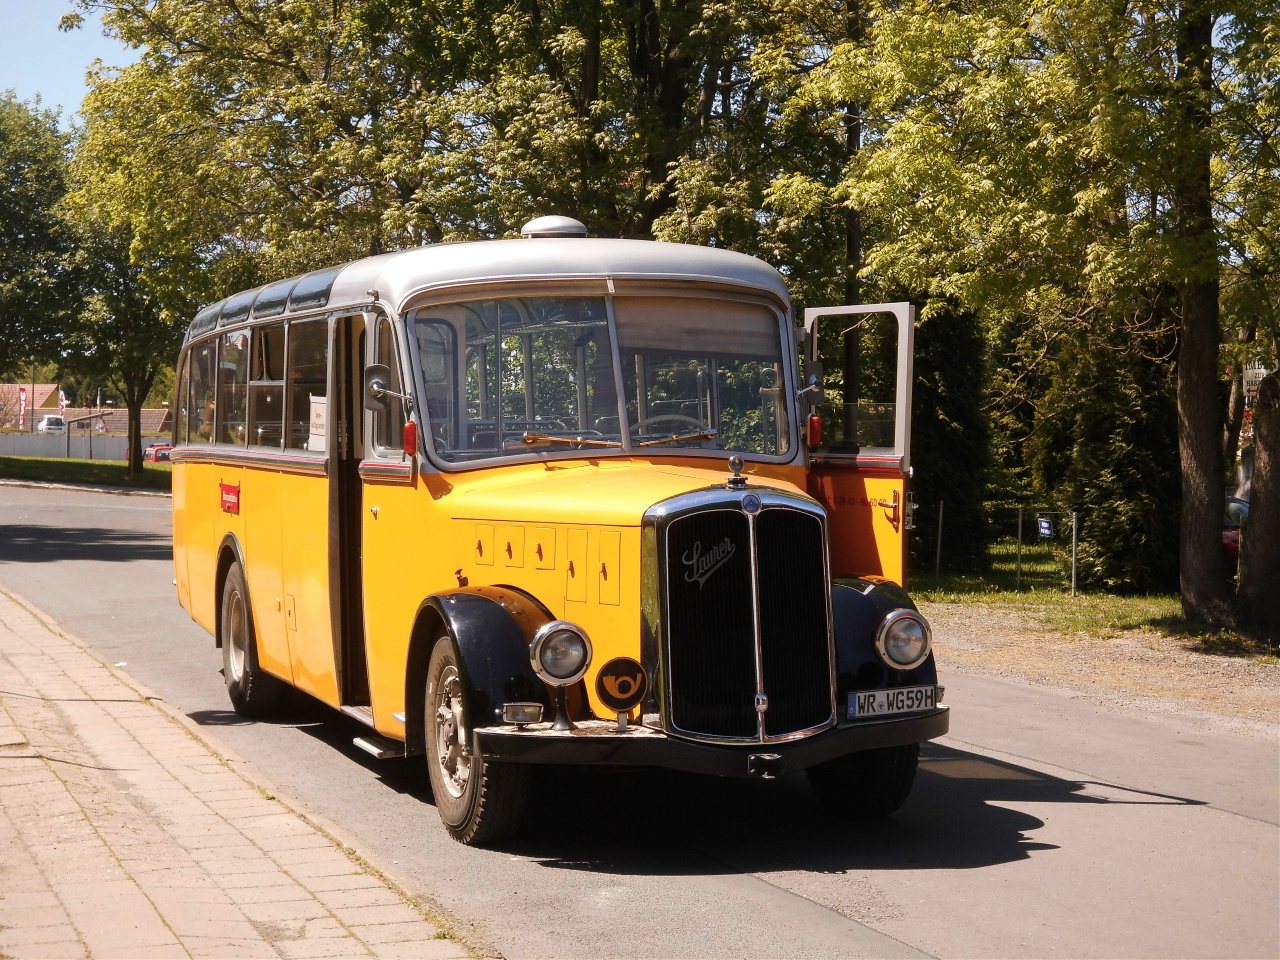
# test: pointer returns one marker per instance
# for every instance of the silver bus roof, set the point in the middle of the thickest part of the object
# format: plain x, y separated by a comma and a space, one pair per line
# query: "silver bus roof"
399, 276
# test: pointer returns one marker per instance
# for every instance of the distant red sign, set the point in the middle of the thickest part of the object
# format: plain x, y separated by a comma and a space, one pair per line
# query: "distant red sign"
230, 497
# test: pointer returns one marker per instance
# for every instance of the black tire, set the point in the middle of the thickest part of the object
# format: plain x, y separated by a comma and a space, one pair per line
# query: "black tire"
480, 802
867, 785
253, 691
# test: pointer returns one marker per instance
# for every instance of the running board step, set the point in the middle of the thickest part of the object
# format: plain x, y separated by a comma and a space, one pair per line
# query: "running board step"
363, 714
382, 748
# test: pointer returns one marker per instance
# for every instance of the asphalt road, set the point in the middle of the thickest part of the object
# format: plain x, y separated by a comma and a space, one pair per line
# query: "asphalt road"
1045, 825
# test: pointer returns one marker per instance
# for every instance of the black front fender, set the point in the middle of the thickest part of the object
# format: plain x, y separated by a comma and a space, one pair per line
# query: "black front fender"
857, 607
491, 628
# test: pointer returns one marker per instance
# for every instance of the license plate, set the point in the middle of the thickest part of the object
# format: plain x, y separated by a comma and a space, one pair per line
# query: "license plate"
883, 703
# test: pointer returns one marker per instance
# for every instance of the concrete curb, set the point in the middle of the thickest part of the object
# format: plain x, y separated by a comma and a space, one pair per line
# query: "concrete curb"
390, 874
85, 488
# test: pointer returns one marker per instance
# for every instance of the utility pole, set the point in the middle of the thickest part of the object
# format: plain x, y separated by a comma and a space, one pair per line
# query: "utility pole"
937, 570
1018, 583
1074, 541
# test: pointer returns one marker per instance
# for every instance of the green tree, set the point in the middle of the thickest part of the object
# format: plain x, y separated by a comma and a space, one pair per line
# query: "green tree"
1067, 169
35, 292
123, 336
950, 439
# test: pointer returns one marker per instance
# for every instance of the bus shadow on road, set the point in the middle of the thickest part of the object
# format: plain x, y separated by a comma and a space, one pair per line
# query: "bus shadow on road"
37, 543
958, 816
962, 812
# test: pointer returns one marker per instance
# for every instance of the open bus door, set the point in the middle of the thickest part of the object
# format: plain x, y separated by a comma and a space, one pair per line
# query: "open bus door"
860, 443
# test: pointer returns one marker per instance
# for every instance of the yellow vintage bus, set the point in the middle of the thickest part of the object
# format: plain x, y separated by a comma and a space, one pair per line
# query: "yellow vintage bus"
561, 500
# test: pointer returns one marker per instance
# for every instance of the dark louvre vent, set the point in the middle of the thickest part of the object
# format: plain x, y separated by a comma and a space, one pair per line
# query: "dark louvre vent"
711, 632
793, 621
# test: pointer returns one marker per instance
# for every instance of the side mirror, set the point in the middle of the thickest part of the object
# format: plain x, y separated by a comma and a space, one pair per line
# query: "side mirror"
376, 378
812, 392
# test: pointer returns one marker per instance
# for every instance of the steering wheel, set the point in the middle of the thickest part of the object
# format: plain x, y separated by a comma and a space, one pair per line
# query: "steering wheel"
696, 424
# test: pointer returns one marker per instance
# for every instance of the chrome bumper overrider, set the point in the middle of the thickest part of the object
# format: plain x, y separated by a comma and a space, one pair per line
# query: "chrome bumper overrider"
596, 742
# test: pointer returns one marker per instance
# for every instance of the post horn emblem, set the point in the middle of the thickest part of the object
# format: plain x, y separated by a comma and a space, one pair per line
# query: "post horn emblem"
621, 684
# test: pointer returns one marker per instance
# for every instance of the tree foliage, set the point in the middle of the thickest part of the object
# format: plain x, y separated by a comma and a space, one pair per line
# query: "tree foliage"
1079, 195
34, 243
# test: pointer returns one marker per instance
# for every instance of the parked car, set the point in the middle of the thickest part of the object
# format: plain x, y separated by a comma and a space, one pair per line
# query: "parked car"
157, 452
51, 423
1234, 517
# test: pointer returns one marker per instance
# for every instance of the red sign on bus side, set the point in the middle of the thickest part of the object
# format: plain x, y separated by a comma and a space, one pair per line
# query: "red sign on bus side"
230, 497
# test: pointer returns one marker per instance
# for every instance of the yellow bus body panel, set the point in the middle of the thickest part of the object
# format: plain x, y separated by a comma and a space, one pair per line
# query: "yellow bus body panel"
262, 510
181, 579
308, 615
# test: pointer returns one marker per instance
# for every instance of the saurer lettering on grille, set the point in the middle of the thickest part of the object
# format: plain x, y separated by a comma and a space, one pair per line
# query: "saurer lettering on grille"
700, 566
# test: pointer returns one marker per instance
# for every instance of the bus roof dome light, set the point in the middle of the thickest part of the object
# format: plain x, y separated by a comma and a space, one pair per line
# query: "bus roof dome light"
554, 227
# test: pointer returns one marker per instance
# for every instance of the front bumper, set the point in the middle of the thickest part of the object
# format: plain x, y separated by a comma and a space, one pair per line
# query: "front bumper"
596, 742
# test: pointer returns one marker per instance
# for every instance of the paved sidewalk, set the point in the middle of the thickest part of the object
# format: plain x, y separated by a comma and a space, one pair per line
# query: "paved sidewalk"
123, 833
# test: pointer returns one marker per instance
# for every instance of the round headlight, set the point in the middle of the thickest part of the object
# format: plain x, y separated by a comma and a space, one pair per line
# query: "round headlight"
903, 639
560, 653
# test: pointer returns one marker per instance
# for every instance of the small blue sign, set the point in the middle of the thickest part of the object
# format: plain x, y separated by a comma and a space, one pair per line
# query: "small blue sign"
1046, 526
751, 504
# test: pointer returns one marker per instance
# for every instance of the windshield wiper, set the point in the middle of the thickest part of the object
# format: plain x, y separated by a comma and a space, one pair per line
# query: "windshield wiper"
579, 441
703, 435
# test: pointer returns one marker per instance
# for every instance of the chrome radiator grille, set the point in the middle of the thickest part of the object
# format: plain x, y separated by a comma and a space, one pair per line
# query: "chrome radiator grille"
746, 615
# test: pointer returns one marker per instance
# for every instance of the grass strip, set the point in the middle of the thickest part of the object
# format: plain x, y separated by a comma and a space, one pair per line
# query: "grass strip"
105, 473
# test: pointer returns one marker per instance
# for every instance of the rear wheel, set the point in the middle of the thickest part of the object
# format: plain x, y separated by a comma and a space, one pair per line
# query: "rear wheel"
253, 691
480, 801
867, 785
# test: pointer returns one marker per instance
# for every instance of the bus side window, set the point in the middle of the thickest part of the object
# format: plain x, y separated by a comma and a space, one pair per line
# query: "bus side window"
181, 397
388, 424
204, 358
233, 387
307, 385
266, 387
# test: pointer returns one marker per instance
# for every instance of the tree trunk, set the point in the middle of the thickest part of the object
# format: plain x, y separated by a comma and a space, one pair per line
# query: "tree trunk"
852, 145
134, 388
1235, 419
1258, 599
1199, 416
1235, 407
134, 455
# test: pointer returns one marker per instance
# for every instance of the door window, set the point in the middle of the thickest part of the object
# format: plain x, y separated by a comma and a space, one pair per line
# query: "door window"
860, 360
307, 385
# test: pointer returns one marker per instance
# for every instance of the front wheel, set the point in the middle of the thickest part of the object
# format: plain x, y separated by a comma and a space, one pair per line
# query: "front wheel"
867, 785
480, 801
253, 691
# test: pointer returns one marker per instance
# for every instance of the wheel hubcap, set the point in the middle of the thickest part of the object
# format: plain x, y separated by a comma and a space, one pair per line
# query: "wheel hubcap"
455, 766
238, 637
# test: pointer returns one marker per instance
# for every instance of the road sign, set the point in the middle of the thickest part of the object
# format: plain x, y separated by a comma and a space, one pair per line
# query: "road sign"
1045, 525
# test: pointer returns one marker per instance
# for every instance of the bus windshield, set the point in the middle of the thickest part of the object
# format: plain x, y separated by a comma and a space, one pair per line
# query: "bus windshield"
520, 375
